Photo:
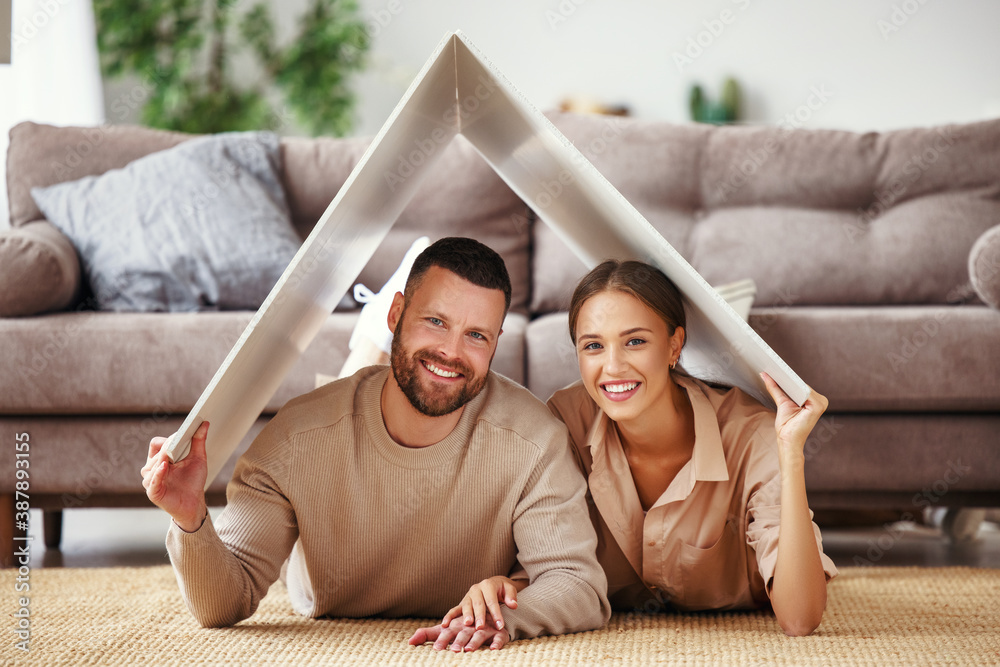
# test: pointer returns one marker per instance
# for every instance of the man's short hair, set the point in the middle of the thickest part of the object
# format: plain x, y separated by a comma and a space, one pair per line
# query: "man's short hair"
468, 259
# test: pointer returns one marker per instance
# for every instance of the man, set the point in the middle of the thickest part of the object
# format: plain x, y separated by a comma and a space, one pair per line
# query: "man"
394, 492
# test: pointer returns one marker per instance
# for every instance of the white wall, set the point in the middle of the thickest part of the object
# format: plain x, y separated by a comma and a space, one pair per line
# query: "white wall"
935, 67
54, 76
928, 62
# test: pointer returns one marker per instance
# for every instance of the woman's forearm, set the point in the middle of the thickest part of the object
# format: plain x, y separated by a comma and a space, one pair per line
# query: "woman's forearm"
798, 591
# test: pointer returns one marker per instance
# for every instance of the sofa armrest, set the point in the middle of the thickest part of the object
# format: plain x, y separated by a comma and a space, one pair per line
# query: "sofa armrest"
39, 270
984, 266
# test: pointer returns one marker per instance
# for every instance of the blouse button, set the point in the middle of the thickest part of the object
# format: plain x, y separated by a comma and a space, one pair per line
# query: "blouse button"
652, 543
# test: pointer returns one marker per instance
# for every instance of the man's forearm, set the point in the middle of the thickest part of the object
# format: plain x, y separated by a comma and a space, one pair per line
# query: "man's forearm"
559, 602
215, 586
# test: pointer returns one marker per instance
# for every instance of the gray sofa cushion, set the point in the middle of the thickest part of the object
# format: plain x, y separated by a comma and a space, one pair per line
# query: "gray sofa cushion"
200, 226
932, 458
653, 164
863, 359
141, 363
42, 155
891, 358
460, 196
813, 216
86, 459
314, 171
39, 270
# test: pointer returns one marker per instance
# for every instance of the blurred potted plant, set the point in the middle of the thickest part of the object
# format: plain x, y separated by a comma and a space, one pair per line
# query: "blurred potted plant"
726, 110
184, 50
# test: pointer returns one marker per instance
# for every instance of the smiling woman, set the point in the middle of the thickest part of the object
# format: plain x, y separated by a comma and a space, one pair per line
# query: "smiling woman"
700, 502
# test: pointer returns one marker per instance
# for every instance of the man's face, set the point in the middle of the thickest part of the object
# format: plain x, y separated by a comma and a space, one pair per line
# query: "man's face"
444, 341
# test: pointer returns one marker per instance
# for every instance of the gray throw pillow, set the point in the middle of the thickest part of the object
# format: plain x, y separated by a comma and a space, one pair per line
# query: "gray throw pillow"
200, 226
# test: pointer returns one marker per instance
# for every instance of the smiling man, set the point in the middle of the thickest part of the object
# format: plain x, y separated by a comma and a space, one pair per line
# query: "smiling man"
391, 493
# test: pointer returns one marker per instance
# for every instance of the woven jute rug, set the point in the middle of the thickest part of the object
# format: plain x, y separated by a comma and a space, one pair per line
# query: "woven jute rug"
875, 616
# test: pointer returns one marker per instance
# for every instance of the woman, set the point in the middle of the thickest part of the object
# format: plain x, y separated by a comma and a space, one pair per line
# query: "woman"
691, 486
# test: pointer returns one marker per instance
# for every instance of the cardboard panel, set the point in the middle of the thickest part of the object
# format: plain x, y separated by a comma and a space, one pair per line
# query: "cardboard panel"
460, 91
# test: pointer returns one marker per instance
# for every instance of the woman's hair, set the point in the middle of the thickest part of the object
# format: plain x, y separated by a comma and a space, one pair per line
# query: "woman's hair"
643, 281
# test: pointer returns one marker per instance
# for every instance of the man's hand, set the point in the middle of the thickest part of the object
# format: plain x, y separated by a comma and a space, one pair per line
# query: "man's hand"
179, 488
458, 636
487, 595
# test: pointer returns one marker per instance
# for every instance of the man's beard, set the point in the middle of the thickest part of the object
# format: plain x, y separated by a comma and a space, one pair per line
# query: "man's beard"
432, 403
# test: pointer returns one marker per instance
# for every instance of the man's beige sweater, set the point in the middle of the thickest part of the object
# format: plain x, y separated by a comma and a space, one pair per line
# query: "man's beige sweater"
375, 528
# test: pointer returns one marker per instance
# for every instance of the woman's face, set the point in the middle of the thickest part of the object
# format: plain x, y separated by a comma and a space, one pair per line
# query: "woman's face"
624, 350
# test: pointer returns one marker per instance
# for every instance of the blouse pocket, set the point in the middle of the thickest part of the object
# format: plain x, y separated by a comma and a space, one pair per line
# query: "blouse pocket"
713, 577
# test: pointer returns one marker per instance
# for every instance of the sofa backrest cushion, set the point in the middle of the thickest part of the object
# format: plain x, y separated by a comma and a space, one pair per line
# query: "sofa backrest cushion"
43, 155
461, 196
815, 217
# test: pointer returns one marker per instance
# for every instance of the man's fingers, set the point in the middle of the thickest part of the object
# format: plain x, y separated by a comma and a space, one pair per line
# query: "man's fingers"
198, 442
462, 638
155, 445
153, 483
424, 635
444, 636
477, 640
499, 641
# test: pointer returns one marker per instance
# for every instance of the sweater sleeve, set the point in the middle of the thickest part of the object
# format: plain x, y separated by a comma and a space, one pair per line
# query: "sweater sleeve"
557, 548
224, 573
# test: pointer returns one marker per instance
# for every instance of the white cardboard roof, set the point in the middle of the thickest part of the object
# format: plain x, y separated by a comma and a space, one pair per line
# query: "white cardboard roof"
459, 91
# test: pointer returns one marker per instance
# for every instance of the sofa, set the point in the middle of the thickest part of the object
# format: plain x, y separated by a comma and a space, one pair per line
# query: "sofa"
876, 258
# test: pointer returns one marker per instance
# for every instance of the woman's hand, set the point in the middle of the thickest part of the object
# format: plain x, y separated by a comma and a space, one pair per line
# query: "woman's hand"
792, 423
487, 595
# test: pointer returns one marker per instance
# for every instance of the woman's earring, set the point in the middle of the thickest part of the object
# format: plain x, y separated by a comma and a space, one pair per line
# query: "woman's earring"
672, 364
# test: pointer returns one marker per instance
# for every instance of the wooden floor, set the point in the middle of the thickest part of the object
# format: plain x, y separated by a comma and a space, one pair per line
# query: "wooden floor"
134, 537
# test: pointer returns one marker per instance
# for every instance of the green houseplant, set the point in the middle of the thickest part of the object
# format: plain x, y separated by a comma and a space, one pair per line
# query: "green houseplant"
183, 51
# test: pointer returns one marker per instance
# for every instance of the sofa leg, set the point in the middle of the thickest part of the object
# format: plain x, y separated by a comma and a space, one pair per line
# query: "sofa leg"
961, 524
52, 522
